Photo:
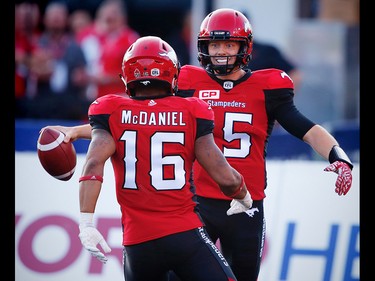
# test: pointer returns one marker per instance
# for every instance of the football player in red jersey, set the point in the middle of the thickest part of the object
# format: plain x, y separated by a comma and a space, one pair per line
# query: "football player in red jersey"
152, 139
246, 105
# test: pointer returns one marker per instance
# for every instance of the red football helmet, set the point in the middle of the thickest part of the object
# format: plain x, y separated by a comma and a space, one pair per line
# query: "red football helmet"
225, 24
148, 60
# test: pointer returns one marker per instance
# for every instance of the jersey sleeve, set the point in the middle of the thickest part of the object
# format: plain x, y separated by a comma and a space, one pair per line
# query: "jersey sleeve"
101, 109
279, 79
185, 81
292, 120
201, 109
204, 116
105, 104
279, 93
184, 78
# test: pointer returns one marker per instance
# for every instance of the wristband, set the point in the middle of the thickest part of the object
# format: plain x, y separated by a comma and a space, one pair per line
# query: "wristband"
239, 189
338, 154
86, 218
93, 177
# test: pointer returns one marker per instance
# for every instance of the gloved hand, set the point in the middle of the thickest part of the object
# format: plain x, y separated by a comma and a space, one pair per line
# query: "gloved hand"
240, 205
91, 237
344, 178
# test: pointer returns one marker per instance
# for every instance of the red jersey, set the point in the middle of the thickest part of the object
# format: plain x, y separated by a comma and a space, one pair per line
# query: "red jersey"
245, 112
155, 141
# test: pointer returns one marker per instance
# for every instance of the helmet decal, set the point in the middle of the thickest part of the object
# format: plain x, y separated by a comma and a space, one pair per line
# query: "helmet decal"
155, 72
137, 73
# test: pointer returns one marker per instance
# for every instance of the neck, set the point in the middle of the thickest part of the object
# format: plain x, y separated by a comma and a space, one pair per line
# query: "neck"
235, 75
151, 93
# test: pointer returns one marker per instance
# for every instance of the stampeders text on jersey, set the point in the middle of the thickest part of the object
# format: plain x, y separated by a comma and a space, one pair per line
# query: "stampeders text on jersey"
173, 118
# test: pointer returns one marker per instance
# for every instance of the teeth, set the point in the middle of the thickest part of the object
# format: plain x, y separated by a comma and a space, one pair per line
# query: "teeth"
221, 61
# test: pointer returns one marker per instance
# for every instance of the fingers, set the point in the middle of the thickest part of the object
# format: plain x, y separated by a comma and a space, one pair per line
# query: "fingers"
344, 178
105, 246
231, 212
67, 135
90, 237
95, 252
236, 208
331, 168
344, 183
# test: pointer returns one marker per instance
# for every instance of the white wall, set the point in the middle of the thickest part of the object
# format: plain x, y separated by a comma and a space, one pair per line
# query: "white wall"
301, 205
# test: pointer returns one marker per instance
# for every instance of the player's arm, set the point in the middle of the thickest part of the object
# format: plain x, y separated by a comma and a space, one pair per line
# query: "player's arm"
318, 138
72, 133
229, 179
101, 147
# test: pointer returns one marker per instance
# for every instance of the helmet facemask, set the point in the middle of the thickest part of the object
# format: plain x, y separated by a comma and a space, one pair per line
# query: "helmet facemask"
225, 25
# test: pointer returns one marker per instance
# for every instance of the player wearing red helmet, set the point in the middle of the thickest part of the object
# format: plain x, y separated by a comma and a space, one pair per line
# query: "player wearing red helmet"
246, 105
152, 139
151, 60
225, 25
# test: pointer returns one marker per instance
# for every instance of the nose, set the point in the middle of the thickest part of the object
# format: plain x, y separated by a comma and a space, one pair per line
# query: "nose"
221, 50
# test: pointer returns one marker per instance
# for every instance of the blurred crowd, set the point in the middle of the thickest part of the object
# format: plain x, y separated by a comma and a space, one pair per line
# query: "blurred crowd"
66, 55
66, 58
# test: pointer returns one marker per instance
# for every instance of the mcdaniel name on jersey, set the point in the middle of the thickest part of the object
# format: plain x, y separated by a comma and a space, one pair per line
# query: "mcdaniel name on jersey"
172, 118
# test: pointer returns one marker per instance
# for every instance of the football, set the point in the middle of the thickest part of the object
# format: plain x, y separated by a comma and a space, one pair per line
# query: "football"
57, 157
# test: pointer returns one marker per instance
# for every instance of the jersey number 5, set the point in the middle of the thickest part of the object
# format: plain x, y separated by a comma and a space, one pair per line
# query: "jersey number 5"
229, 135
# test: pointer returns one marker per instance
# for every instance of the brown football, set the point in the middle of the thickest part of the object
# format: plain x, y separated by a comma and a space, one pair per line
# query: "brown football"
57, 157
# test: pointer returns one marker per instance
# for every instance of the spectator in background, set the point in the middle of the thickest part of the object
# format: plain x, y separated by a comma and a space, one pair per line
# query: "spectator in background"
104, 44
179, 39
83, 27
79, 21
27, 32
266, 55
57, 69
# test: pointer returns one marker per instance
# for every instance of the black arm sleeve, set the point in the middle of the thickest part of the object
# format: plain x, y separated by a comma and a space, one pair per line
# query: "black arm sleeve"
204, 127
100, 121
280, 106
292, 120
185, 93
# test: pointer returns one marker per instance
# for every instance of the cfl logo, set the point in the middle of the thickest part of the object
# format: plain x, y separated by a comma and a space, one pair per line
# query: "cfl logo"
209, 94
155, 72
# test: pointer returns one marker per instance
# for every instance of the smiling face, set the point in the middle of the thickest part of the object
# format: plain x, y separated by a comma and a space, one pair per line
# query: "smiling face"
223, 52
223, 55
